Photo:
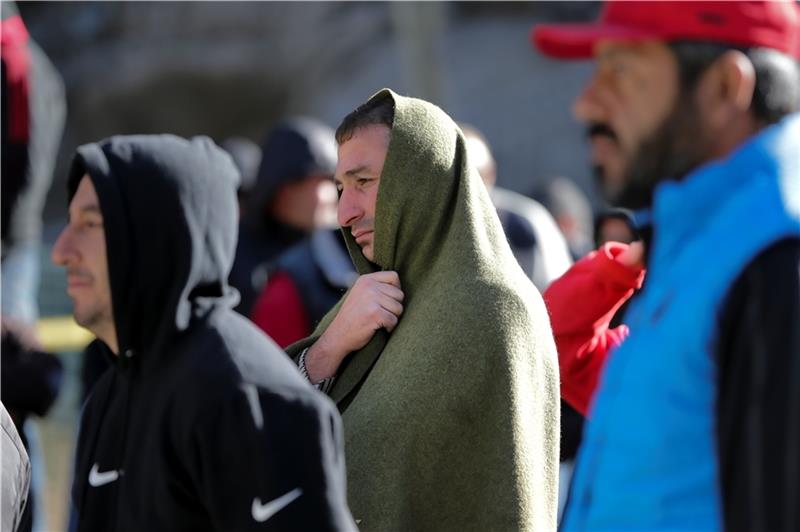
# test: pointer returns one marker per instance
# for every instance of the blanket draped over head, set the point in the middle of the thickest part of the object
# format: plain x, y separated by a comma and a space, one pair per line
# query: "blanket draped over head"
451, 421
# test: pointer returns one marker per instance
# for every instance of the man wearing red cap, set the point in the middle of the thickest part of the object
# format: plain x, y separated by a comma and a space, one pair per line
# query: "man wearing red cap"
695, 422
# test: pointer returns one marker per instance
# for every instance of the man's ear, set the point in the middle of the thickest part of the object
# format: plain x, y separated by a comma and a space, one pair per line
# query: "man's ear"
727, 88
739, 76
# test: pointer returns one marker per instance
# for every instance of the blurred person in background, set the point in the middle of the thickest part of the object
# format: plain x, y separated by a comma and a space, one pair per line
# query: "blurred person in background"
304, 283
692, 119
246, 155
33, 114
30, 382
440, 356
586, 307
604, 289
615, 225
293, 195
621, 226
148, 247
16, 477
533, 235
603, 281
604, 295
583, 303
572, 211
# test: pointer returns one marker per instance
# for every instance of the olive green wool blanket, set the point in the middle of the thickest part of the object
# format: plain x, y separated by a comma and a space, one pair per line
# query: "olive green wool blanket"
456, 424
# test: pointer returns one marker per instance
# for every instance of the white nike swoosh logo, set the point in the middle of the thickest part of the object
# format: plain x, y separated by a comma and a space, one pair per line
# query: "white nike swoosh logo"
97, 479
262, 512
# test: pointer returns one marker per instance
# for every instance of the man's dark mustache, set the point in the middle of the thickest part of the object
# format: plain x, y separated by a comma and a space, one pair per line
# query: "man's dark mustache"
600, 129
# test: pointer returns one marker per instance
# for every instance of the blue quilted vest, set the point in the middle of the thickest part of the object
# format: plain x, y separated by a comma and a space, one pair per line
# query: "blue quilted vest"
648, 460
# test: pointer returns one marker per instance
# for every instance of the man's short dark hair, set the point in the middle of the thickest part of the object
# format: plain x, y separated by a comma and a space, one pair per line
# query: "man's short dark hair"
777, 89
377, 111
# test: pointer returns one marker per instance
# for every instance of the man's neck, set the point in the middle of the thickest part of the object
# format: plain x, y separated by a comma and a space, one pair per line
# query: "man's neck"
109, 337
736, 133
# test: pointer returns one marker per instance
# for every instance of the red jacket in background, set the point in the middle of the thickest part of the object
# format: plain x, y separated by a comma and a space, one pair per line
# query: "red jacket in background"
279, 311
582, 303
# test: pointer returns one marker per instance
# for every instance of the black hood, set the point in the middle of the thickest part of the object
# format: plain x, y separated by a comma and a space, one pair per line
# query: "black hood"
295, 148
170, 217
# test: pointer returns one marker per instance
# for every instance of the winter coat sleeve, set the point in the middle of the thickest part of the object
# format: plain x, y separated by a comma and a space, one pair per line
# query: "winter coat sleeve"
758, 406
267, 461
582, 303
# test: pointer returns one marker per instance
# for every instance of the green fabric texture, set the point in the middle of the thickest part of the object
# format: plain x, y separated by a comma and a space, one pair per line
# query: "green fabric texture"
456, 427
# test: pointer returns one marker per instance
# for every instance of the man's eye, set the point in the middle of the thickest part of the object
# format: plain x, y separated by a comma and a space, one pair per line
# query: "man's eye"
363, 181
91, 224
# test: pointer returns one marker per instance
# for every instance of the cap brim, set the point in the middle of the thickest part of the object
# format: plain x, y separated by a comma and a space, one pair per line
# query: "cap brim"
576, 41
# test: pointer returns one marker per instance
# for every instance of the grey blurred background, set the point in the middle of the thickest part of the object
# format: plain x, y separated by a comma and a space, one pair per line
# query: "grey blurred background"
233, 68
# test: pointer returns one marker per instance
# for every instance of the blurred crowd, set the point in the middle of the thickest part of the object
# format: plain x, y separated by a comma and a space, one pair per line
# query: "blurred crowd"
359, 328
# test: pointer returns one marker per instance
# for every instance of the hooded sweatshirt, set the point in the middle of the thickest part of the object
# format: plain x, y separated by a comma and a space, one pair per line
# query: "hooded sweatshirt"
452, 420
296, 148
202, 423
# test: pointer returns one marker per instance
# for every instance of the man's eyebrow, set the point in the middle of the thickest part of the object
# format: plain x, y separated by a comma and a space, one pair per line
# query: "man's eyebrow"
357, 170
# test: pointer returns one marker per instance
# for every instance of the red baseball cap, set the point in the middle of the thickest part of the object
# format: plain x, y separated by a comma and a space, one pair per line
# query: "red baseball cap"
766, 24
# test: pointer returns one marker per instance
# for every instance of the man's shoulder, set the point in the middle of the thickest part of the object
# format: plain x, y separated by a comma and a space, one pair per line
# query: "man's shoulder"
228, 352
504, 308
230, 368
230, 373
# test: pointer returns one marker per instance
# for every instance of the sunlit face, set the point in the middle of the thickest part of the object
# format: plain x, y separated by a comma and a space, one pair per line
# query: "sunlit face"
81, 249
307, 204
357, 177
632, 96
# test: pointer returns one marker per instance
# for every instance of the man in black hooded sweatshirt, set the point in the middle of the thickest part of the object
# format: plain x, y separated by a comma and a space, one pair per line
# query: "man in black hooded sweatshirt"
202, 422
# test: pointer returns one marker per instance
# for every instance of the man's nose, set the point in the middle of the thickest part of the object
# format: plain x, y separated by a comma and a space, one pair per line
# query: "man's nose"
349, 210
587, 106
63, 251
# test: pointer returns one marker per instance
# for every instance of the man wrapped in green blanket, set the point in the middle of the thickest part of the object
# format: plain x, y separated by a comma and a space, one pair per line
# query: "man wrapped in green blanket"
441, 356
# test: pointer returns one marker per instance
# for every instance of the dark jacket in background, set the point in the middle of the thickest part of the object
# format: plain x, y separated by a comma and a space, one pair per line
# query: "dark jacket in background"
31, 379
296, 148
202, 423
306, 281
